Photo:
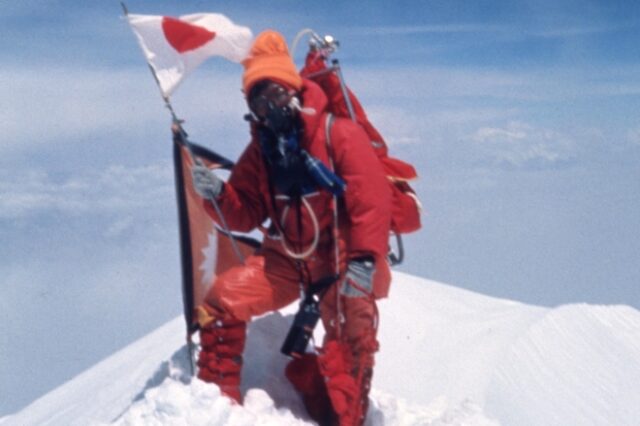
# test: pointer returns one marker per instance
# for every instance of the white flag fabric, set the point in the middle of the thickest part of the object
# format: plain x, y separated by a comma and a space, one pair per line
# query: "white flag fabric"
176, 46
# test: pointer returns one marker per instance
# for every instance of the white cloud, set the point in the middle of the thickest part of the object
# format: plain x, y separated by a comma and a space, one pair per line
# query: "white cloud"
489, 133
423, 29
119, 227
633, 136
406, 112
577, 31
431, 84
510, 32
116, 189
45, 105
521, 145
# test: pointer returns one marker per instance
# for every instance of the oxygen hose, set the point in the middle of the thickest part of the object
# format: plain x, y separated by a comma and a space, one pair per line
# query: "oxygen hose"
316, 233
298, 36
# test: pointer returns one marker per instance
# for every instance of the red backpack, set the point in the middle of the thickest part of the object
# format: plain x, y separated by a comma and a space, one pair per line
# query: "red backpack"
406, 208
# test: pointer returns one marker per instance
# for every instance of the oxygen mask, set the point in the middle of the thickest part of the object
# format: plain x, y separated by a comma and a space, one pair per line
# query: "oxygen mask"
270, 105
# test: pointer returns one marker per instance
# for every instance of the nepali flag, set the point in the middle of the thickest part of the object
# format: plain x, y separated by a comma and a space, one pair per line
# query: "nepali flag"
174, 47
206, 250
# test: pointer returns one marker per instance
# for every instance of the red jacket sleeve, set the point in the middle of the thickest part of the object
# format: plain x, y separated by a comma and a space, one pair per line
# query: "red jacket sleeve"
241, 201
368, 195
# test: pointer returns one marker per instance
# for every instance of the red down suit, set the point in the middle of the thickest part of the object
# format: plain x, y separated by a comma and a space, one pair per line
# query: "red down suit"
270, 279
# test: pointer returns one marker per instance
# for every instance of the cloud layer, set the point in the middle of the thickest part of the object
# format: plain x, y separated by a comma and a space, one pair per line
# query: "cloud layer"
520, 145
116, 189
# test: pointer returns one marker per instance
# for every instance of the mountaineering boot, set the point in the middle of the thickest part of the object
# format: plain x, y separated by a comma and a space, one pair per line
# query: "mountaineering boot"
220, 359
335, 365
348, 375
363, 362
305, 376
346, 359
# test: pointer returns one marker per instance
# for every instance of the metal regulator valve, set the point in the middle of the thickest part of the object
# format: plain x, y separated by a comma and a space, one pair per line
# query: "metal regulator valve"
325, 46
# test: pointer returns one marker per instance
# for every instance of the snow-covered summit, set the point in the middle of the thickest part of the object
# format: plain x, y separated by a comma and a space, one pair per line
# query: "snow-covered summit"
449, 356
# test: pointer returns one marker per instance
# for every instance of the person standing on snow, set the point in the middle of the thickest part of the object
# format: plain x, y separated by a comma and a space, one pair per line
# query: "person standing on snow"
313, 235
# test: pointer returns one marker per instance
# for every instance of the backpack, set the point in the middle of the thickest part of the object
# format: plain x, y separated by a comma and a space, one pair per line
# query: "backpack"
406, 208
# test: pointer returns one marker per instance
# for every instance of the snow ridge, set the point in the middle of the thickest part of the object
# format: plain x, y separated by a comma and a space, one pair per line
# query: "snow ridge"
578, 356
449, 357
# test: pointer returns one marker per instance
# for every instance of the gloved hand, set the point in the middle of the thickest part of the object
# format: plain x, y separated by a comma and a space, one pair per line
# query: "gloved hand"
358, 281
205, 182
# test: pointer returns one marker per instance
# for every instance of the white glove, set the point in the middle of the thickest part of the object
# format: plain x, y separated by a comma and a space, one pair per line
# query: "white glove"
205, 182
358, 281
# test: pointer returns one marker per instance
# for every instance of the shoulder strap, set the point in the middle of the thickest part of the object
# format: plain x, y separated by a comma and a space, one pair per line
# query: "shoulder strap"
334, 207
328, 124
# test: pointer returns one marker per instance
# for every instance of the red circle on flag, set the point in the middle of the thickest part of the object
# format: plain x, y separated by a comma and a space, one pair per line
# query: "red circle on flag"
184, 36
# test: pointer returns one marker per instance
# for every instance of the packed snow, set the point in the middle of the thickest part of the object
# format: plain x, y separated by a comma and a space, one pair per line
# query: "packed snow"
448, 357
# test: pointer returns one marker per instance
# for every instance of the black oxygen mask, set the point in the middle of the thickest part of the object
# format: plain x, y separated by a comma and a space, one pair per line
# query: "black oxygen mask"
270, 107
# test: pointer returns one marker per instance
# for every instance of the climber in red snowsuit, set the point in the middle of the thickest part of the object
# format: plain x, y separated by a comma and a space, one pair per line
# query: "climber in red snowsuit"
313, 234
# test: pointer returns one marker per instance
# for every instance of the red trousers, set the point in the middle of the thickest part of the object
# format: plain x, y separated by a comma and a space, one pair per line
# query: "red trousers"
269, 281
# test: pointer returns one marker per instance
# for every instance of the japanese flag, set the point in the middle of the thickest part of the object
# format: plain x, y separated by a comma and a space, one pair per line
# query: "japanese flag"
176, 46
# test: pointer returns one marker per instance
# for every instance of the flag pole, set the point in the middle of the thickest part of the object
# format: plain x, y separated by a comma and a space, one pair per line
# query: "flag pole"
167, 102
182, 135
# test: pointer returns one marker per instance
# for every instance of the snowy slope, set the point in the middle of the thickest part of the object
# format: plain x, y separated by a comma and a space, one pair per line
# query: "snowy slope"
449, 357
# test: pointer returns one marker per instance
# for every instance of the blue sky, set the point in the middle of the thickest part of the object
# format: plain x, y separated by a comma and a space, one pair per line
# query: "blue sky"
521, 117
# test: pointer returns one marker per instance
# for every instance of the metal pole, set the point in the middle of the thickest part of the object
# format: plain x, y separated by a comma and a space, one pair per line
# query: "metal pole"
183, 137
343, 87
194, 158
335, 67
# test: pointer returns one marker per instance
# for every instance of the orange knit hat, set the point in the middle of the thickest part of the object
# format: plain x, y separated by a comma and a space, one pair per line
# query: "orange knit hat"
269, 59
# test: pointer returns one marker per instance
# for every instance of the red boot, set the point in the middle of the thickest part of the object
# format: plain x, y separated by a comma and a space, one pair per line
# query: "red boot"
220, 359
304, 374
362, 371
348, 375
347, 357
342, 388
